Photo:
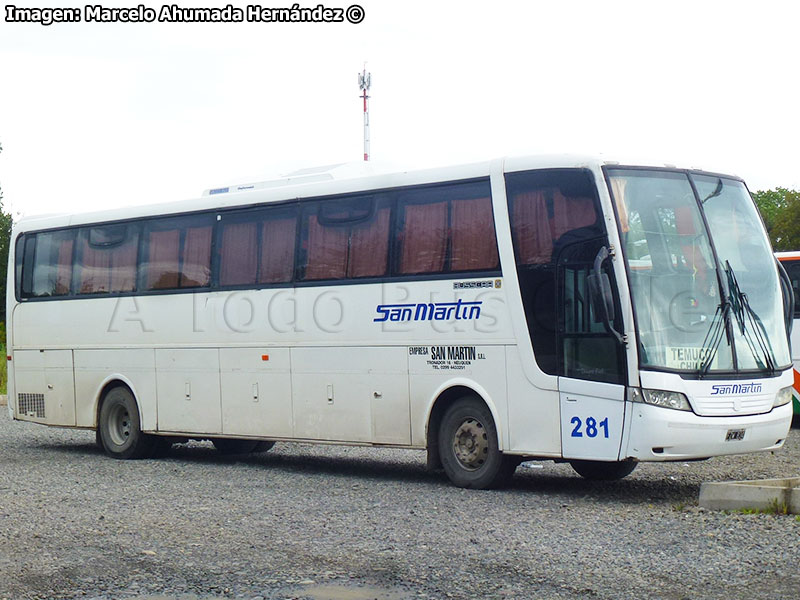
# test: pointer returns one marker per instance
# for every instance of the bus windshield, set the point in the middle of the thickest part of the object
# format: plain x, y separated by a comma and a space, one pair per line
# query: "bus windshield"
704, 285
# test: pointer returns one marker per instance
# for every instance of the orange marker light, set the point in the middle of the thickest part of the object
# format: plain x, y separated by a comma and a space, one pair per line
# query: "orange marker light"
265, 357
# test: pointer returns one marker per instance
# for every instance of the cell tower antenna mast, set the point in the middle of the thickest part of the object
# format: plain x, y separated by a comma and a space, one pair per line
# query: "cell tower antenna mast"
364, 80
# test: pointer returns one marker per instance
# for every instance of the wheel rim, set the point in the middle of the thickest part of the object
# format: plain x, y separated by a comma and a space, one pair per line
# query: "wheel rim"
119, 425
471, 444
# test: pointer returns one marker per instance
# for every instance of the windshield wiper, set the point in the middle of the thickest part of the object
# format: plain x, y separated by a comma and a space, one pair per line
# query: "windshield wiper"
714, 336
756, 335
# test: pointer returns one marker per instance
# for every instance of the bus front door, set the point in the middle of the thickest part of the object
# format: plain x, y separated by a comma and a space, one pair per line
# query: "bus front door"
591, 370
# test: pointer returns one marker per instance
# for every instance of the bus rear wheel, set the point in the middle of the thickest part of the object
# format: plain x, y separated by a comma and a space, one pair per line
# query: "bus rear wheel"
468, 447
119, 429
603, 471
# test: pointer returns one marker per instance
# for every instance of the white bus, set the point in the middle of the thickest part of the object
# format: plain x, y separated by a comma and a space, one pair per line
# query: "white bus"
558, 308
791, 263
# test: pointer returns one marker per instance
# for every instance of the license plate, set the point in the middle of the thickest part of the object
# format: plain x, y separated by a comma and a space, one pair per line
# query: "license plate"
734, 435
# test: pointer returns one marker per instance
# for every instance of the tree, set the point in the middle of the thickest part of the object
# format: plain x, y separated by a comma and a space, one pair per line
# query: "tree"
780, 209
5, 242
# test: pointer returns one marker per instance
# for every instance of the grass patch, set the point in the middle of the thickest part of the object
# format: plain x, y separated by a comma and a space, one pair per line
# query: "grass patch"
3, 371
776, 507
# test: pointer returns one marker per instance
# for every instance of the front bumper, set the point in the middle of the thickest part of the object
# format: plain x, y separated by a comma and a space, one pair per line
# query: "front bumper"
661, 434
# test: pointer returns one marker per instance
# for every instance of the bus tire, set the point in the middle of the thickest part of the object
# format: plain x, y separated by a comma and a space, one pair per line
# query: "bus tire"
596, 470
233, 446
468, 446
119, 428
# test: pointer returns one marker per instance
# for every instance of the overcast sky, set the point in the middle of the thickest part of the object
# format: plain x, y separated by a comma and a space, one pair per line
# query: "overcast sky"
102, 115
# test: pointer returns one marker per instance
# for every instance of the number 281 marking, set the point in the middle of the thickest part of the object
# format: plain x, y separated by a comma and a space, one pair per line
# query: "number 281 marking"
592, 427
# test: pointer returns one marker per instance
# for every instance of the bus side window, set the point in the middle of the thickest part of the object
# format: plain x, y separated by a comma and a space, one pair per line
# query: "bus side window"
446, 229
422, 237
106, 259
178, 253
473, 240
49, 259
257, 246
346, 238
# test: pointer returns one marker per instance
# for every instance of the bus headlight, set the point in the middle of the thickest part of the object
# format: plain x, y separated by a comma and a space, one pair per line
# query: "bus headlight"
674, 400
784, 396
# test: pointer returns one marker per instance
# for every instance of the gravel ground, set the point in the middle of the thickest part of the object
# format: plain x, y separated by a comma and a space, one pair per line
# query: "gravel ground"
339, 523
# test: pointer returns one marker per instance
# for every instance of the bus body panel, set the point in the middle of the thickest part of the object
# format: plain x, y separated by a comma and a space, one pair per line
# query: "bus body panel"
355, 394
592, 416
256, 388
533, 410
133, 367
187, 351
429, 312
188, 384
434, 369
46, 386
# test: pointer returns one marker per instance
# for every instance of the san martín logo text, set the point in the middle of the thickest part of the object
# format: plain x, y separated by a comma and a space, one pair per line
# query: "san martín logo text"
429, 311
735, 388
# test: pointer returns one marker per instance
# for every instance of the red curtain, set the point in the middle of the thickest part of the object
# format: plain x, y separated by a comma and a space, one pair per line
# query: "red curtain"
162, 263
196, 271
108, 269
369, 246
123, 265
533, 239
64, 267
424, 238
571, 213
474, 246
95, 267
277, 250
327, 250
239, 254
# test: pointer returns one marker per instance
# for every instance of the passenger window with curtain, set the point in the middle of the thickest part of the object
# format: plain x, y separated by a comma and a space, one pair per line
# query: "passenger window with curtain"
556, 231
346, 238
106, 259
257, 246
48, 257
177, 253
446, 228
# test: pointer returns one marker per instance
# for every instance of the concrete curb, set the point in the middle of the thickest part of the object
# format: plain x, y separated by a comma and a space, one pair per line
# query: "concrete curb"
763, 494
3, 400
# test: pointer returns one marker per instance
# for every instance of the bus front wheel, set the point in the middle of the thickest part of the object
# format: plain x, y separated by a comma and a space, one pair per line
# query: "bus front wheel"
603, 471
468, 447
119, 429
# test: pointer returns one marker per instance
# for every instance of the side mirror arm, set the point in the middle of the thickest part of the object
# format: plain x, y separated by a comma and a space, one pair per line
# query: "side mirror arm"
602, 295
